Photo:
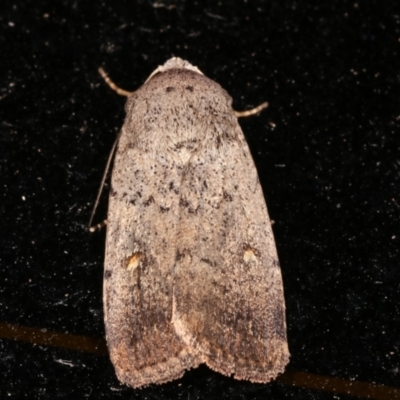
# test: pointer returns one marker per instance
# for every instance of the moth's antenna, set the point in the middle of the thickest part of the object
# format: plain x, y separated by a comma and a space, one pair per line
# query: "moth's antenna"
253, 111
113, 86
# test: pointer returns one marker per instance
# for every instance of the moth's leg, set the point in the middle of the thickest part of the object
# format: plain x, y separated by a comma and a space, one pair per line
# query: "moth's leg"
98, 227
121, 92
103, 180
112, 85
253, 111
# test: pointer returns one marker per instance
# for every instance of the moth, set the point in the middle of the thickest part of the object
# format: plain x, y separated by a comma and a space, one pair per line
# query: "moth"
191, 269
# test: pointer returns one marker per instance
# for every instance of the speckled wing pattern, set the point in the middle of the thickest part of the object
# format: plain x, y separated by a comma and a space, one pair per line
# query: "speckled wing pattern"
191, 270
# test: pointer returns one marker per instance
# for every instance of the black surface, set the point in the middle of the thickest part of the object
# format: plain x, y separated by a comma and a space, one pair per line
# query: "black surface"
327, 151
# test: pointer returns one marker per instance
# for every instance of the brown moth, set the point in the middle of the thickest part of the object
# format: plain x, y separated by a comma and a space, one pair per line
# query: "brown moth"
191, 270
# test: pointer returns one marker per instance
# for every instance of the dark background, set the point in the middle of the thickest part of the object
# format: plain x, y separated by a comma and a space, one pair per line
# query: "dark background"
327, 152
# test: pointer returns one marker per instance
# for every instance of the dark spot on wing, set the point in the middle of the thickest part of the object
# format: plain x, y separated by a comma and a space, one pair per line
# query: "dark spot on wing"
183, 202
207, 261
227, 196
149, 201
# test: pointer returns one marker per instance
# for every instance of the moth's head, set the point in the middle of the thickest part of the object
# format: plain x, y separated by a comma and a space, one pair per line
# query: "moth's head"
174, 63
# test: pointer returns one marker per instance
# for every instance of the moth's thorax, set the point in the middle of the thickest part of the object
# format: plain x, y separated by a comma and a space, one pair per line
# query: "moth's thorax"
174, 110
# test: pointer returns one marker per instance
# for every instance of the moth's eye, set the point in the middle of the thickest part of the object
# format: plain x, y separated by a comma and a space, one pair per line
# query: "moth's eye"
130, 103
